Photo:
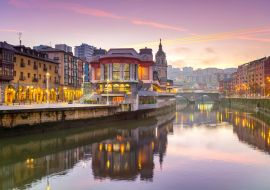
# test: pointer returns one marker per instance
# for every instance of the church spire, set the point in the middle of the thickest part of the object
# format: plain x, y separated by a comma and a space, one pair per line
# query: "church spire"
160, 45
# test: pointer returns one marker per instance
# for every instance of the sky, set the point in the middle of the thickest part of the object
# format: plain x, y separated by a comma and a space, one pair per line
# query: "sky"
196, 33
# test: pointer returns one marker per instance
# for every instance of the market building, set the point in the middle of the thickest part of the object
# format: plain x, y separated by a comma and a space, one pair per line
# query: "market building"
118, 75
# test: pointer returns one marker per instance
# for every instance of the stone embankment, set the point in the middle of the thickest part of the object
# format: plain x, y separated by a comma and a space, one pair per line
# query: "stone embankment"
68, 117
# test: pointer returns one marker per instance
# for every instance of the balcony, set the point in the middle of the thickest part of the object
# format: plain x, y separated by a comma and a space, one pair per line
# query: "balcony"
6, 77
35, 67
22, 64
35, 79
22, 78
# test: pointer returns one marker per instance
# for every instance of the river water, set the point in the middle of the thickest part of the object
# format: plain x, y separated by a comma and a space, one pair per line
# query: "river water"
199, 147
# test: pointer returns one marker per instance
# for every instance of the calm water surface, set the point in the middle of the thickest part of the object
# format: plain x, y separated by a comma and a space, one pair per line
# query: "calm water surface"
202, 147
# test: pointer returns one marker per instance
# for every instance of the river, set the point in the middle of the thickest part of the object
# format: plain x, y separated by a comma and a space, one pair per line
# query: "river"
201, 146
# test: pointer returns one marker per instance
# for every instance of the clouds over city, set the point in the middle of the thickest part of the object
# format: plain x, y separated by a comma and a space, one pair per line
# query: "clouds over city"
198, 40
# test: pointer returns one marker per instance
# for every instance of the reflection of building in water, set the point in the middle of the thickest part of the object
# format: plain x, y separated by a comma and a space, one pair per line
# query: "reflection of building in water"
131, 153
24, 161
196, 114
249, 129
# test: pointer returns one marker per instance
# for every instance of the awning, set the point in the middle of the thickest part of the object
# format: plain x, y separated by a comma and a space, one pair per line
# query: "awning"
147, 93
105, 95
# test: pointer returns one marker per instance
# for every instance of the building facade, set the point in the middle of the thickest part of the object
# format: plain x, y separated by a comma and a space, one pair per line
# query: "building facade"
84, 51
35, 77
119, 74
252, 79
6, 67
70, 71
160, 66
64, 47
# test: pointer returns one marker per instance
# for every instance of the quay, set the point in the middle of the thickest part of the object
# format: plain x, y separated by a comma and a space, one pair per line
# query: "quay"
31, 118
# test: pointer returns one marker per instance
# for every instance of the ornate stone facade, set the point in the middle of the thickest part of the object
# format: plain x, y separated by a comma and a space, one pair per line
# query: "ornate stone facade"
160, 66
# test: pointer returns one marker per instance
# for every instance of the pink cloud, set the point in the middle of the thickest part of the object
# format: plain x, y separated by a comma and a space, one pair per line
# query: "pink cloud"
18, 3
254, 39
84, 10
93, 12
8, 30
157, 25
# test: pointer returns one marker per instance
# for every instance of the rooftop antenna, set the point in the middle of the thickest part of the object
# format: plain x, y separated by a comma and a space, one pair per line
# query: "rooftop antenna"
20, 37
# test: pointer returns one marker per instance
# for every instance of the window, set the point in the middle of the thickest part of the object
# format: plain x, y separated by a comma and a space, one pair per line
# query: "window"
29, 62
14, 73
135, 72
143, 73
106, 72
126, 71
29, 75
97, 73
116, 71
39, 76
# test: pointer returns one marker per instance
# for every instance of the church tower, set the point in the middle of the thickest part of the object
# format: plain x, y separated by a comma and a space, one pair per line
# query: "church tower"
160, 66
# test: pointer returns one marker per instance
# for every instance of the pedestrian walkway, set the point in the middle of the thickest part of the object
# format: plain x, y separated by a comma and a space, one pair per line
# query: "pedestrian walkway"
46, 106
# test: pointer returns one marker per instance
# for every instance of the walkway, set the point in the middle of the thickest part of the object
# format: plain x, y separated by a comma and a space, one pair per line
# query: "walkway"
45, 106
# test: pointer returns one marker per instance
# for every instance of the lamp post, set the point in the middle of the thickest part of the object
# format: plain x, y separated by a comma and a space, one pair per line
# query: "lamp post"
83, 84
47, 86
107, 92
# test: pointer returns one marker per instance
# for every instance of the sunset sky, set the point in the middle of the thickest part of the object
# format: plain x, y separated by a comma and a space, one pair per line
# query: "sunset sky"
198, 33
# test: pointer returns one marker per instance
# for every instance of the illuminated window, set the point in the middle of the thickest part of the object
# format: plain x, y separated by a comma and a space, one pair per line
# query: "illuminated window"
143, 73
116, 71
106, 72
126, 71
116, 88
97, 73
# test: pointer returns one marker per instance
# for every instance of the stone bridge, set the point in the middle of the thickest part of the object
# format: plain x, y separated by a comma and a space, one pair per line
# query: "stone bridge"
199, 96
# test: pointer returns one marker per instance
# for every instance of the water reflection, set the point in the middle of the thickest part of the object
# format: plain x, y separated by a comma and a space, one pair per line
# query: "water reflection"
130, 153
117, 151
135, 151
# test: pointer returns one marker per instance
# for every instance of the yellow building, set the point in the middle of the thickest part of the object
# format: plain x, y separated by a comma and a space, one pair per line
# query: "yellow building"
35, 78
71, 73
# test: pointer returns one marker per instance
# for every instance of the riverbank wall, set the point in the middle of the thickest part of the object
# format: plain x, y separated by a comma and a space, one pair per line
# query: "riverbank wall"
22, 121
261, 105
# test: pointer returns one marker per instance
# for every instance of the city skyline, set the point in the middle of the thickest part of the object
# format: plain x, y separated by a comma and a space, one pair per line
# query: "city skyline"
198, 34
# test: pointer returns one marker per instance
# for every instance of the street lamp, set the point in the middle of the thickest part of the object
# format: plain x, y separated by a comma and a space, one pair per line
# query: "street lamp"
107, 92
47, 86
83, 84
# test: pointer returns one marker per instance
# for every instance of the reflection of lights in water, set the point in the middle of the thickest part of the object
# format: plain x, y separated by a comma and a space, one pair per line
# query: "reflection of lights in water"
100, 147
83, 164
153, 145
128, 146
205, 107
108, 164
48, 187
122, 148
116, 147
191, 117
109, 147
140, 161
156, 132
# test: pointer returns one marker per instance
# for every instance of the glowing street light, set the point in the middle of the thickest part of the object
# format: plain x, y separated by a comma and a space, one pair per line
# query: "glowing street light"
107, 92
47, 86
